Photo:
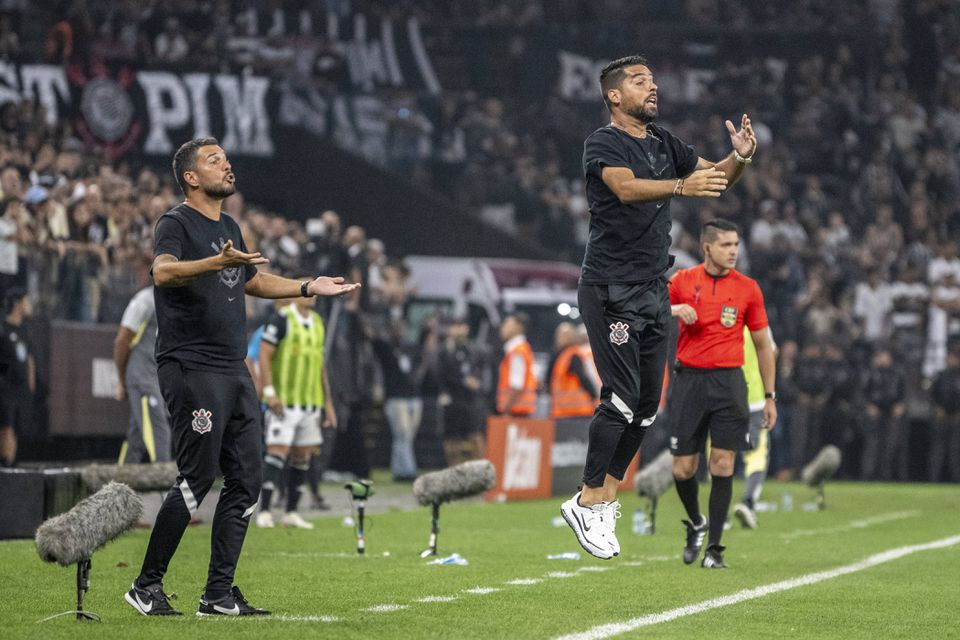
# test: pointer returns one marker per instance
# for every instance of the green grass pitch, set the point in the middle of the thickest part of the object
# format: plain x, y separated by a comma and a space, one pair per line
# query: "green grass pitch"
317, 586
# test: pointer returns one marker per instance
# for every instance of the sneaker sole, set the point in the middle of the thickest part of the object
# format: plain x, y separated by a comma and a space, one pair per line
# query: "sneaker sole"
587, 546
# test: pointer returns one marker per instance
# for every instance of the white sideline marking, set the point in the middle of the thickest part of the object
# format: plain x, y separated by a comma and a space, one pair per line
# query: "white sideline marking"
636, 563
524, 581
854, 524
481, 591
386, 608
561, 574
608, 630
436, 599
286, 618
594, 569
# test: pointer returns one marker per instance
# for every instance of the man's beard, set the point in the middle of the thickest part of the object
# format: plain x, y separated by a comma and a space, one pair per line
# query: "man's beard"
220, 191
644, 113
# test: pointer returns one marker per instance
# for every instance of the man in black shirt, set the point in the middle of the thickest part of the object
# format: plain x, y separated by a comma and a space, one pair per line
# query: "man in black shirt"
632, 169
201, 271
17, 372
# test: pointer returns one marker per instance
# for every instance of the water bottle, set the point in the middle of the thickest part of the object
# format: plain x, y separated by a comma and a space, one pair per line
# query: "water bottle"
787, 501
641, 525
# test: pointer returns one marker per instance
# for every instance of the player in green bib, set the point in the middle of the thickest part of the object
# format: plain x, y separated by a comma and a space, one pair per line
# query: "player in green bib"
297, 393
757, 457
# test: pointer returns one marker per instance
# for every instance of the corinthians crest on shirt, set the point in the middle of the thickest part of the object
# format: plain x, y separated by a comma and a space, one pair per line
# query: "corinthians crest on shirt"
728, 316
619, 333
201, 421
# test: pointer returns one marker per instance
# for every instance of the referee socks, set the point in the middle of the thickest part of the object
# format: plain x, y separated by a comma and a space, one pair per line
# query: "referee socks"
688, 490
721, 492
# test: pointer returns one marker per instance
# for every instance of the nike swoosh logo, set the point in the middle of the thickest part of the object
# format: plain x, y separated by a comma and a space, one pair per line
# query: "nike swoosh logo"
232, 299
235, 611
583, 523
146, 608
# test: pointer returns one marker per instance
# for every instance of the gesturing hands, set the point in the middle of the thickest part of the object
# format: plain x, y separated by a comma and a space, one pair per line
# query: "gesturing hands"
744, 141
686, 313
325, 286
709, 183
235, 258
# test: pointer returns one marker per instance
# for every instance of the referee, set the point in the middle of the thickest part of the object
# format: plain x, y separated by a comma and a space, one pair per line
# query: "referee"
201, 271
632, 169
708, 392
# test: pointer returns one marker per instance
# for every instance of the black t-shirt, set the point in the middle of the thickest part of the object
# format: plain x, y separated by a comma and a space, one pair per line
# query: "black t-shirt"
202, 325
14, 357
630, 243
397, 365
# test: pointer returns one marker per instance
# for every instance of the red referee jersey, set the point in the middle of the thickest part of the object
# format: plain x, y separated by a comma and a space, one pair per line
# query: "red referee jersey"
723, 305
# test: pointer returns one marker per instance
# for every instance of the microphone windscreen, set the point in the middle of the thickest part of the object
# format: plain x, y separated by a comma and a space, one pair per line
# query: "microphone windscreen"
91, 523
656, 477
460, 481
156, 476
822, 467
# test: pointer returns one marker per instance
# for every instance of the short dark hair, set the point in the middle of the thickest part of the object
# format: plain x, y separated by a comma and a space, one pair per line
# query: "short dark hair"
185, 159
712, 228
612, 75
522, 319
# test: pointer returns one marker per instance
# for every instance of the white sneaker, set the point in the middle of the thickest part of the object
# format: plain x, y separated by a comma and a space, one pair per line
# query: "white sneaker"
746, 516
265, 520
610, 515
589, 526
293, 519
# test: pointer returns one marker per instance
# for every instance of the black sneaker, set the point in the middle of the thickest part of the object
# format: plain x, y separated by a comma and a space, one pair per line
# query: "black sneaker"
150, 601
695, 536
232, 604
713, 558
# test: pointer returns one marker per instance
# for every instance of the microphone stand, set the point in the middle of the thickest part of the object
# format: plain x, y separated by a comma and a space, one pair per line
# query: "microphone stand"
83, 585
431, 549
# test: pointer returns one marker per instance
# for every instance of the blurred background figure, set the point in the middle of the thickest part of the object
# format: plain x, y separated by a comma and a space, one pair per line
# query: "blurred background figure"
148, 438
573, 389
461, 379
18, 377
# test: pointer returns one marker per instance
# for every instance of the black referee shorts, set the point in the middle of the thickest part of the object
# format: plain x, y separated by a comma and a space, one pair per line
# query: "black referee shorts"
708, 402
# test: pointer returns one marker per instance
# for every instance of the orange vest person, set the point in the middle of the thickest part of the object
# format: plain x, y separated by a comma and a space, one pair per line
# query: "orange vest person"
572, 392
517, 384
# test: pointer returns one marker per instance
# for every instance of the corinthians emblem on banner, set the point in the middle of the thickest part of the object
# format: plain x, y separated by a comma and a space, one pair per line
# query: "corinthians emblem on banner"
107, 114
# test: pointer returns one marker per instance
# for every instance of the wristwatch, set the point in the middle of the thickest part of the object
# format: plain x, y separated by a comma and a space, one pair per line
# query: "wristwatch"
771, 395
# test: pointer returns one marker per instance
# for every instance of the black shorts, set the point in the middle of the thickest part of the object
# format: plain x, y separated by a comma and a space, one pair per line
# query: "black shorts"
15, 409
460, 421
706, 402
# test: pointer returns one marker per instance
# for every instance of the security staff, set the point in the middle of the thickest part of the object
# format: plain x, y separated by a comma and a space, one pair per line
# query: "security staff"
572, 391
517, 385
709, 393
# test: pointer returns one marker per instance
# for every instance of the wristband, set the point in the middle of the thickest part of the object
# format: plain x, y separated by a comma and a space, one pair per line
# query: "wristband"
678, 188
771, 395
269, 392
303, 289
742, 159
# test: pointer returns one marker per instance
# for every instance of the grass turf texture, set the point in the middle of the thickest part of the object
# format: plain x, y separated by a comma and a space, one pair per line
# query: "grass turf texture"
310, 577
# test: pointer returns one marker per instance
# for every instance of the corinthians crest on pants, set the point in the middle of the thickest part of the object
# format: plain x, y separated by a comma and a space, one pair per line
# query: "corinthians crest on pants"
201, 421
728, 316
619, 333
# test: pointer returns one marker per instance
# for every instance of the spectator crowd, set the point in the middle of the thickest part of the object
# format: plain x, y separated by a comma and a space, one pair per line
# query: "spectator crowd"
850, 212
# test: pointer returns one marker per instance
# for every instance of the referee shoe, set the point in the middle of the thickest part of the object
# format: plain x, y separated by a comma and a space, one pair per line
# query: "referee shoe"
713, 558
150, 601
695, 536
232, 604
589, 526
